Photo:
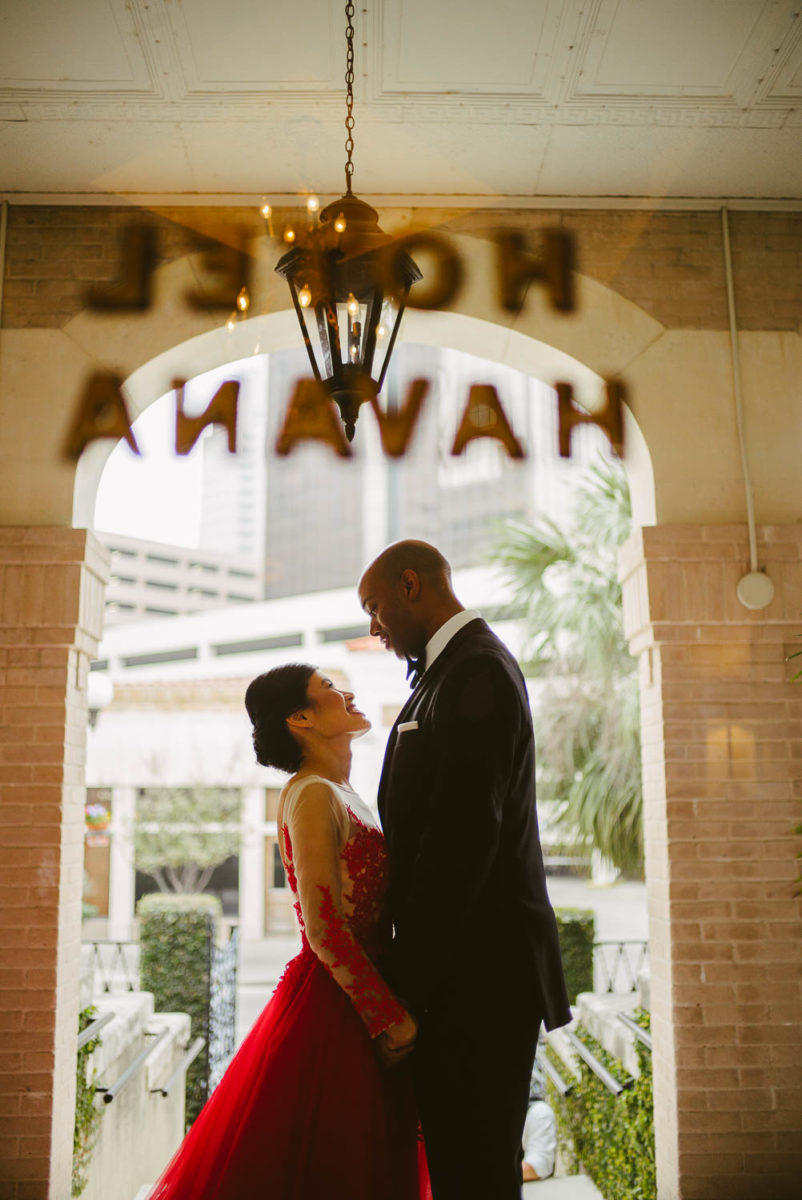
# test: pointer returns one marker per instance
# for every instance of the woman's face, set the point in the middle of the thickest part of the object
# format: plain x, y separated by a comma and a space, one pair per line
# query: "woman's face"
333, 711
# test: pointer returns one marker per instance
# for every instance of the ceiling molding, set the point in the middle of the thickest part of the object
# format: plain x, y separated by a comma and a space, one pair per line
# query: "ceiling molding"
450, 203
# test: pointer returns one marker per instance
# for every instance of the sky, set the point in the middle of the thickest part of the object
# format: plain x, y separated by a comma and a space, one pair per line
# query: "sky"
156, 496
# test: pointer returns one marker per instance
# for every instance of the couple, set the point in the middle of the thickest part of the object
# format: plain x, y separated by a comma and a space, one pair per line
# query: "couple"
430, 952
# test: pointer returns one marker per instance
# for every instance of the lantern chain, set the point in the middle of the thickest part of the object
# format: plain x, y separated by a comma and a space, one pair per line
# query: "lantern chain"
349, 101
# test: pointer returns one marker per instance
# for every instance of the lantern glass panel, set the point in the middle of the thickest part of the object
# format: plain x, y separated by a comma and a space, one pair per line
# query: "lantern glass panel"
384, 332
312, 330
351, 322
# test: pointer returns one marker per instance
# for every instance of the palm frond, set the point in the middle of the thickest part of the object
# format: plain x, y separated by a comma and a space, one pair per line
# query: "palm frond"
565, 577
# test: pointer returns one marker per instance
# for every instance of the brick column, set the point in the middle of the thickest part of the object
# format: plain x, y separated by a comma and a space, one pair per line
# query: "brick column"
722, 729
51, 608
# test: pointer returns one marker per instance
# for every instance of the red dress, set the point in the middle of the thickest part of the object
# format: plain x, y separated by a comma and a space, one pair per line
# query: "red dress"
305, 1110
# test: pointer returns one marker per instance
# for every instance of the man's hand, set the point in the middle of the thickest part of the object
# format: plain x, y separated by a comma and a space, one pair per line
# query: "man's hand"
395, 1043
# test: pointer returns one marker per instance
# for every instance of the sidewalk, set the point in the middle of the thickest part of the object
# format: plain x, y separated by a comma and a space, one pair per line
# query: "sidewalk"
260, 966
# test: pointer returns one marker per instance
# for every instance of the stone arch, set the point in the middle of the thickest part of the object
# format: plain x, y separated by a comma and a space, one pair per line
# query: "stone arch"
537, 341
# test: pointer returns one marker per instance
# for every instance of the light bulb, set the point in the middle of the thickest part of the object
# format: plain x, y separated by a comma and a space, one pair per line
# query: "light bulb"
339, 224
230, 323
305, 297
380, 331
265, 211
353, 305
289, 234
312, 204
354, 352
243, 300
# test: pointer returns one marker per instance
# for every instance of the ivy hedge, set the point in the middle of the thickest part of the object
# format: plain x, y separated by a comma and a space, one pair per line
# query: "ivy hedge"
611, 1137
577, 930
176, 933
87, 1117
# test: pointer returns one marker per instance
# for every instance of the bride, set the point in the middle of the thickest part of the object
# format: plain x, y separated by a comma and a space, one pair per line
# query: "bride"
317, 1101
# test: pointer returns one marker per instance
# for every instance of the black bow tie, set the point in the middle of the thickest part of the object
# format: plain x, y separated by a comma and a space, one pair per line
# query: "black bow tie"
415, 669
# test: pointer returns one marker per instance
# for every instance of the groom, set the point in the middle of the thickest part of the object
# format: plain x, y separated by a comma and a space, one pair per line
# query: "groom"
475, 953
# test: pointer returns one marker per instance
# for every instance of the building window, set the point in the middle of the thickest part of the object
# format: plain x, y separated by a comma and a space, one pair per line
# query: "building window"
160, 656
271, 803
160, 558
279, 642
279, 874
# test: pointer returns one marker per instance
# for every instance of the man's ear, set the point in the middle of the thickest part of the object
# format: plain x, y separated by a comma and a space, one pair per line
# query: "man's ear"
410, 584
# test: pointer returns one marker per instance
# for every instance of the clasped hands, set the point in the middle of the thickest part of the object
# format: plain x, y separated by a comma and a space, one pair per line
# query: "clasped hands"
395, 1043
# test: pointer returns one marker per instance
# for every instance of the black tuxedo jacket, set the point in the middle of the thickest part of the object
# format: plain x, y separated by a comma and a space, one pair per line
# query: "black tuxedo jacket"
457, 803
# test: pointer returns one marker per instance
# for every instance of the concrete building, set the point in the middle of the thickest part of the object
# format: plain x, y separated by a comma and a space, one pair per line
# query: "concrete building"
666, 139
154, 579
326, 518
233, 501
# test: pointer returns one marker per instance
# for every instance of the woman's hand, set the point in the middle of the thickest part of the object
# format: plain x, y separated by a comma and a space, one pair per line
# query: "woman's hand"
395, 1043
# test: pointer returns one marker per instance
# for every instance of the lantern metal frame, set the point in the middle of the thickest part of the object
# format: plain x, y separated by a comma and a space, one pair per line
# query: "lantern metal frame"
343, 276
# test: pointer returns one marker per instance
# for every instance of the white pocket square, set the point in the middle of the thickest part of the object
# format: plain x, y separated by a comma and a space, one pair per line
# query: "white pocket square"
407, 725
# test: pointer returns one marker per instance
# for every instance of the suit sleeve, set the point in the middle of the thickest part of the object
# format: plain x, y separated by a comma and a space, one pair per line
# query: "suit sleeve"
312, 848
475, 730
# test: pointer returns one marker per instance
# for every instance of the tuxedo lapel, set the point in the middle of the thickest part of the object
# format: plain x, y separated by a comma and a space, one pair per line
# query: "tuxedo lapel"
428, 681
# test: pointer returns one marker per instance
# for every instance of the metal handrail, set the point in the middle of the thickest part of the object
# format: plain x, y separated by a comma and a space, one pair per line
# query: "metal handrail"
613, 958
181, 1069
554, 1075
598, 1069
113, 964
110, 1092
641, 1034
87, 1034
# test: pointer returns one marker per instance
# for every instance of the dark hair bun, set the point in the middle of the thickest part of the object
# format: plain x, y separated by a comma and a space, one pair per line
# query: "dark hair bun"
270, 699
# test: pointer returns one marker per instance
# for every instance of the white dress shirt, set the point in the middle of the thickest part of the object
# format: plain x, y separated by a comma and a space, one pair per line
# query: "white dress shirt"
437, 644
540, 1138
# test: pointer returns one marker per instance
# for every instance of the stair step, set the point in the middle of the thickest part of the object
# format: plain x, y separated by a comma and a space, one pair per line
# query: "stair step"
566, 1187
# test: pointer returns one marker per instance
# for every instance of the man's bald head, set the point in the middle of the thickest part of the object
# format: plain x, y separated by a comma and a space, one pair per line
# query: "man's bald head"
425, 560
407, 594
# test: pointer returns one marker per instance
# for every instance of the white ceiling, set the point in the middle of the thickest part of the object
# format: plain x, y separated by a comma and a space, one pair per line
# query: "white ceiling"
503, 98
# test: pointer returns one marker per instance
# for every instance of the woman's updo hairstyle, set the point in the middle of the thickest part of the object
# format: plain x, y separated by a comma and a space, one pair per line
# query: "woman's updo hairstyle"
270, 699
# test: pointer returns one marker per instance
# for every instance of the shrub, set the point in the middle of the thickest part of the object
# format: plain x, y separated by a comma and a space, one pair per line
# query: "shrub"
576, 927
611, 1137
176, 934
87, 1117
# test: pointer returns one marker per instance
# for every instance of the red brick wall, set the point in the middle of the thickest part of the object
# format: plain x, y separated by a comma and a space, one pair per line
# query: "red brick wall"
722, 750
51, 591
668, 263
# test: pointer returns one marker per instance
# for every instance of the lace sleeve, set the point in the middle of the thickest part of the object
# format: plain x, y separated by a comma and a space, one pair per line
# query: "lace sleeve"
314, 841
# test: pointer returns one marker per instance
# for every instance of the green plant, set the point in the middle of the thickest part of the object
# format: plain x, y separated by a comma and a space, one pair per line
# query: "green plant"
175, 938
587, 711
576, 927
611, 1137
181, 834
87, 1117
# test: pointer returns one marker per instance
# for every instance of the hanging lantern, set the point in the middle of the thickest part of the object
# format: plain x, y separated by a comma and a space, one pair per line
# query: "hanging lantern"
349, 290
349, 286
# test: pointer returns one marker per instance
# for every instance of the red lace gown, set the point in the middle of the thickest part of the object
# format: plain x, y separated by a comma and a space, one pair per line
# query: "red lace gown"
305, 1111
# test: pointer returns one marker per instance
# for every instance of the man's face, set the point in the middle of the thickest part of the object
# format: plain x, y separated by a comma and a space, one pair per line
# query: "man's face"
392, 618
